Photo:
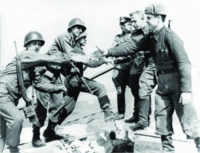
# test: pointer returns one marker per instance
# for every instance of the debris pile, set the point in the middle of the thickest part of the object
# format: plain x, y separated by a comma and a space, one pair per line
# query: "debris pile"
82, 138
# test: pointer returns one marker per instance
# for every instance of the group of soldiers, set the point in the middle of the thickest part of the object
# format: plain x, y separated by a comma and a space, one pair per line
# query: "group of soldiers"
146, 54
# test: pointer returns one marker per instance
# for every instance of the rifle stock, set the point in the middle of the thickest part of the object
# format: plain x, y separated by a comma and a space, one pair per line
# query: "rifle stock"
29, 109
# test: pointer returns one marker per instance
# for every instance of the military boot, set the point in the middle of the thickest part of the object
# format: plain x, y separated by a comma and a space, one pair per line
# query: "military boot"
50, 134
167, 144
110, 115
121, 103
134, 118
36, 141
143, 116
14, 149
197, 142
150, 110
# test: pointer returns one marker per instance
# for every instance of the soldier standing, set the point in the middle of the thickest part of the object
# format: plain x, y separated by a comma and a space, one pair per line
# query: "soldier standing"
11, 117
121, 71
174, 77
75, 86
64, 43
147, 81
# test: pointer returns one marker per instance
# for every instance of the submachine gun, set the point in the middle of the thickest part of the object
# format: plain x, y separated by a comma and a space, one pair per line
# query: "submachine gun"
29, 110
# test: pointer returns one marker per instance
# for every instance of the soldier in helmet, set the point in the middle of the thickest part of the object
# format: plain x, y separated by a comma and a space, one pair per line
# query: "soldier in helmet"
11, 117
174, 77
75, 86
121, 71
64, 43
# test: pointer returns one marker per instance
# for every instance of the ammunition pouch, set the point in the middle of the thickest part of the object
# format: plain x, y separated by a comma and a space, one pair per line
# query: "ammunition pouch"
29, 112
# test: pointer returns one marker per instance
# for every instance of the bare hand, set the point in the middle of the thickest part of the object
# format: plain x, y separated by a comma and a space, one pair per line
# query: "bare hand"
109, 60
62, 88
80, 58
185, 98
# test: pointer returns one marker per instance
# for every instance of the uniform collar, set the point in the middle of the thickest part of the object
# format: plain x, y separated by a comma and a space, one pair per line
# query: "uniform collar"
143, 30
156, 33
71, 38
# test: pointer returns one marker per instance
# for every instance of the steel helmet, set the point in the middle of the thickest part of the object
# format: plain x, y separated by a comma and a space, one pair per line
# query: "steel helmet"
76, 22
81, 36
33, 36
155, 9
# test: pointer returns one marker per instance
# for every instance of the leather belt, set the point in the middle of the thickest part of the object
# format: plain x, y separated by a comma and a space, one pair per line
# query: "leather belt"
167, 71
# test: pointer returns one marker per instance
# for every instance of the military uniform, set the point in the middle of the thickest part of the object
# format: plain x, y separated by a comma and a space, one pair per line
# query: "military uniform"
11, 117
62, 44
174, 78
147, 82
76, 86
138, 65
121, 75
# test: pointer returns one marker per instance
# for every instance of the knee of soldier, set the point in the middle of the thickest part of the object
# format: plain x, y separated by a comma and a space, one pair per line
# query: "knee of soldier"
101, 90
143, 95
17, 120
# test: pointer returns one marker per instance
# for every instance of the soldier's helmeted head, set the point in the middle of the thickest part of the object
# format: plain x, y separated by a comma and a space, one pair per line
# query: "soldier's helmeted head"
125, 24
82, 39
155, 15
76, 27
138, 19
33, 41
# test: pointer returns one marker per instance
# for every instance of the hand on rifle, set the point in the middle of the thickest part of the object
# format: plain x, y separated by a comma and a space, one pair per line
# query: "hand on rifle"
76, 71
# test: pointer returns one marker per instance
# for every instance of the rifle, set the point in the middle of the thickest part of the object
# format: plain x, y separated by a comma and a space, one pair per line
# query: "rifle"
80, 78
169, 24
29, 111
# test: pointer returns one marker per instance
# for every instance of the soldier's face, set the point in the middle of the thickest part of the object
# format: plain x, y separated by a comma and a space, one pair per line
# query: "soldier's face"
127, 27
76, 31
83, 41
138, 22
152, 22
34, 46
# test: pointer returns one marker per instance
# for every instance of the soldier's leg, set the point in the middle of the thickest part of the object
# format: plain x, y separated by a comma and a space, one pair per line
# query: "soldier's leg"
188, 119
99, 90
41, 112
119, 78
134, 85
147, 82
55, 101
13, 118
70, 98
2, 133
164, 109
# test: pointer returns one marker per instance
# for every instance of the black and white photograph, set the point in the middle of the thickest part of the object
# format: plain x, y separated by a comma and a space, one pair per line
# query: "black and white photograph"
99, 76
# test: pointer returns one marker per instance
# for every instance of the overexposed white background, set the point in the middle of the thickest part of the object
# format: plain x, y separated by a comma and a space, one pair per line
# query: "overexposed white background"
51, 18
101, 17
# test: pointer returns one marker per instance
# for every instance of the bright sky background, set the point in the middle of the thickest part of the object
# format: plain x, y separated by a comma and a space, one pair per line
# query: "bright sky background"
51, 18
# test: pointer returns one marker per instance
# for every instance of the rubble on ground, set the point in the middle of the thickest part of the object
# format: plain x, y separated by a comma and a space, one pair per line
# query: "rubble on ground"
83, 138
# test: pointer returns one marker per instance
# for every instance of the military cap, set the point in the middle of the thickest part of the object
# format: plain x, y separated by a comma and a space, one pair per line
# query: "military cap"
155, 9
124, 19
81, 36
